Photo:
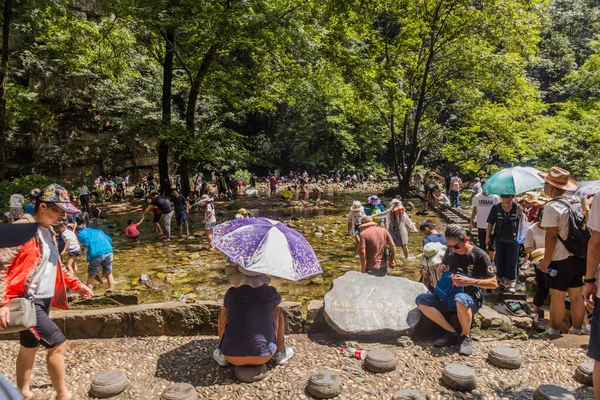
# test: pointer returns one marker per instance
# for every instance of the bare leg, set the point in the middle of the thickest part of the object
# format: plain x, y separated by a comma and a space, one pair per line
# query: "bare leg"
187, 229
577, 308
356, 243
109, 279
70, 265
434, 315
90, 281
25, 361
465, 317
209, 237
557, 308
405, 251
56, 369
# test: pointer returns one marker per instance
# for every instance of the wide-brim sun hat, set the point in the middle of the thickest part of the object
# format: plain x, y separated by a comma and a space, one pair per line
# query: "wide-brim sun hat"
356, 206
432, 255
58, 195
374, 200
560, 178
206, 198
537, 255
240, 276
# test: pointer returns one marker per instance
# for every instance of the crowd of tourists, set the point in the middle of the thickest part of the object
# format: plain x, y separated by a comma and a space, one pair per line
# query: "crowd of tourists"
551, 227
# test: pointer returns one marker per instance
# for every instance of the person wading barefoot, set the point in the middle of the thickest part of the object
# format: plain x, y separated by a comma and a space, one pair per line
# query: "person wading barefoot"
30, 266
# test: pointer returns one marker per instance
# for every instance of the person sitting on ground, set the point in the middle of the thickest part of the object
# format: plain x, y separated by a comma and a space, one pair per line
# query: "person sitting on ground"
132, 231
138, 192
373, 241
430, 233
471, 270
72, 247
99, 254
251, 325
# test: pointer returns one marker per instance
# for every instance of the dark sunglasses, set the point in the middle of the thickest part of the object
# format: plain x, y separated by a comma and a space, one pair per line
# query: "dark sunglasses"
507, 196
458, 246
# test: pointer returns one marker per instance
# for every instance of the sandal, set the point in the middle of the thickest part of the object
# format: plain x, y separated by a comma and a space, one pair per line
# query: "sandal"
514, 308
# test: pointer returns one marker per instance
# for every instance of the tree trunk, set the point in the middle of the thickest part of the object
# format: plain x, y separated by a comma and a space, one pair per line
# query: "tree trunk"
190, 114
6, 14
163, 146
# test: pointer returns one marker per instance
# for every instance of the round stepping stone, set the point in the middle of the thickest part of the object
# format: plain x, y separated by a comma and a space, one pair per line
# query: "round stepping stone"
584, 373
324, 384
408, 394
179, 391
380, 360
505, 357
551, 392
459, 377
108, 383
250, 373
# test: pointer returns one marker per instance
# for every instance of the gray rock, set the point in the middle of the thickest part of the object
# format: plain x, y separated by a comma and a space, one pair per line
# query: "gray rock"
250, 373
552, 392
493, 319
505, 357
380, 360
408, 394
314, 315
584, 373
459, 377
324, 384
361, 304
179, 391
109, 383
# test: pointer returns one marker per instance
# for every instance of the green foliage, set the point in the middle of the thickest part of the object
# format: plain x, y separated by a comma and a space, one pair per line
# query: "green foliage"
25, 184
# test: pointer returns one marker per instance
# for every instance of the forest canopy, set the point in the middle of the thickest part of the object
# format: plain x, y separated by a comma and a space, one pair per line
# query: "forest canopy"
465, 85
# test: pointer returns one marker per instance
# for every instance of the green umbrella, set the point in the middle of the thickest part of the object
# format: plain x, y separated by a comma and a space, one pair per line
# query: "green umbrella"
513, 181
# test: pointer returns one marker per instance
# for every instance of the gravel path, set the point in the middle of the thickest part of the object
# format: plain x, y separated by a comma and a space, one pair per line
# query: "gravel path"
154, 363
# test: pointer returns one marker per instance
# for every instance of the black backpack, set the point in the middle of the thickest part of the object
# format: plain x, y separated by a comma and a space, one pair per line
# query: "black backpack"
579, 234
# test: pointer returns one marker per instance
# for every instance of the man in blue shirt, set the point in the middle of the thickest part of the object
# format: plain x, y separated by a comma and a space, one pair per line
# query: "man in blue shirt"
99, 254
430, 233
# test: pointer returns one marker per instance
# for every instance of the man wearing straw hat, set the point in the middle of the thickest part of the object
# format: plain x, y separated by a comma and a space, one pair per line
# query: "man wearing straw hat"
571, 269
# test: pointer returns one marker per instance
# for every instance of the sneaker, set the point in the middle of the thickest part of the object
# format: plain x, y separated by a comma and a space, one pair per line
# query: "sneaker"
283, 357
466, 347
448, 339
220, 358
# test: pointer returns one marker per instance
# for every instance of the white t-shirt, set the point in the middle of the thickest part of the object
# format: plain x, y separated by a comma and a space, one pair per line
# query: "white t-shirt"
556, 215
210, 208
16, 201
535, 237
73, 242
44, 279
444, 198
594, 223
83, 190
484, 204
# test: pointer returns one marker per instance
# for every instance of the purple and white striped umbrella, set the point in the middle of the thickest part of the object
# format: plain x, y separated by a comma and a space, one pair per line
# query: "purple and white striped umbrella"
267, 246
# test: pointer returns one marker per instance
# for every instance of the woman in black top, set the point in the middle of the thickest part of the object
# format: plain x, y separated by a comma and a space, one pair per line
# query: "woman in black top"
503, 226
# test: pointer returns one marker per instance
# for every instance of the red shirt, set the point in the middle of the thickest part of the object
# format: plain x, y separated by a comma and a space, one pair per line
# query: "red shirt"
132, 230
273, 181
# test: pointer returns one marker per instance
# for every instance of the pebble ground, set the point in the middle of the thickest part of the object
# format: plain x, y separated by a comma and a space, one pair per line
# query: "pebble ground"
154, 363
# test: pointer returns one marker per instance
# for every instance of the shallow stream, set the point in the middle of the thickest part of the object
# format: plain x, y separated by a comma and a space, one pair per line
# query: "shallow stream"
184, 269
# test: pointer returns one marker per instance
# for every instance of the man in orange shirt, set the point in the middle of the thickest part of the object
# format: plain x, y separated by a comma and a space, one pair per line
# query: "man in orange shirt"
372, 248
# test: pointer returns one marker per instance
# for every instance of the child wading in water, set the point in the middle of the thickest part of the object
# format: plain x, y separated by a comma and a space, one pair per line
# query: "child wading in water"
132, 229
72, 247
156, 219
209, 217
354, 220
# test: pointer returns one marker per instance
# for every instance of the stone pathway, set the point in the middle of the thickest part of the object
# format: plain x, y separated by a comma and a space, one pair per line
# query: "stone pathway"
154, 363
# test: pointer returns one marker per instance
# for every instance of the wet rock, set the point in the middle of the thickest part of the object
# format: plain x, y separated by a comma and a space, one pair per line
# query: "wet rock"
361, 304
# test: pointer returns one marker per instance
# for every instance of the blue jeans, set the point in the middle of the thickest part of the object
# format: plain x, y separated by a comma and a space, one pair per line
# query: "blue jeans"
507, 260
431, 300
454, 198
179, 217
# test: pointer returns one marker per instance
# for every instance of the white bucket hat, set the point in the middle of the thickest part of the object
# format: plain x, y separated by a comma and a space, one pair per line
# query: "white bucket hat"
356, 206
433, 253
240, 276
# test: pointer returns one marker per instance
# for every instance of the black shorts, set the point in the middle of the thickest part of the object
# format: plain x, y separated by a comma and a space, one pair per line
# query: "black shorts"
570, 274
45, 332
157, 217
481, 234
76, 253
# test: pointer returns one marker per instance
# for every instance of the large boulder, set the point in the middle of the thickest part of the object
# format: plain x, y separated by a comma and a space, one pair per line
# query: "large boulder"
361, 304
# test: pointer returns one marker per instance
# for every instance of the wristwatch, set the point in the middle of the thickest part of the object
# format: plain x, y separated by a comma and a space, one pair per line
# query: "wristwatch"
593, 280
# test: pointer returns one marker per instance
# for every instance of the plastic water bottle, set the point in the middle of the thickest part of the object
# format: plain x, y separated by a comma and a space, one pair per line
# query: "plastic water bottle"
552, 272
354, 352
